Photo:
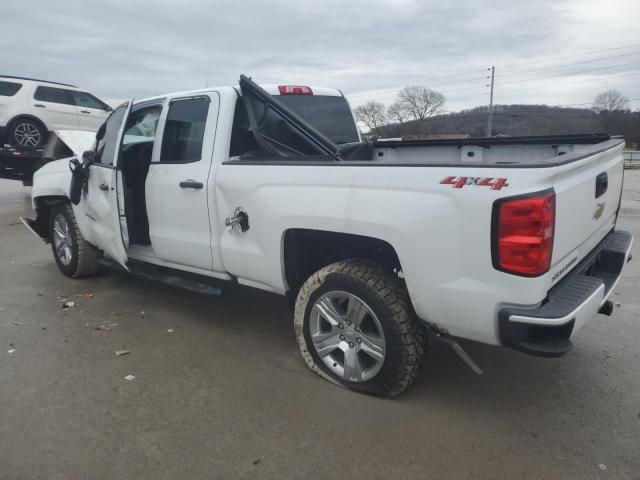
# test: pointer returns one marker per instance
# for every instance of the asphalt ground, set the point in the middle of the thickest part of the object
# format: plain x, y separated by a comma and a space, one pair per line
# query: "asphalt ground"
220, 391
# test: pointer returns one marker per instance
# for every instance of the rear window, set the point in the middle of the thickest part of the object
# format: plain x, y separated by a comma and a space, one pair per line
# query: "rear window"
9, 89
53, 95
184, 130
331, 115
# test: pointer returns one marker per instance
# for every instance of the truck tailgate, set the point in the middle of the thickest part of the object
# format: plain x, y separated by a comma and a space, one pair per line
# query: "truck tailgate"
588, 193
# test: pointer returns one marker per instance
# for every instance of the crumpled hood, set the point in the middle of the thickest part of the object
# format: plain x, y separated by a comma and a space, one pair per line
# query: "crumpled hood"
78, 141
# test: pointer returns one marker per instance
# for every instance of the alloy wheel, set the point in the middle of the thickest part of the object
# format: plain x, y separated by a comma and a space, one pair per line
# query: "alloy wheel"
62, 240
27, 135
347, 336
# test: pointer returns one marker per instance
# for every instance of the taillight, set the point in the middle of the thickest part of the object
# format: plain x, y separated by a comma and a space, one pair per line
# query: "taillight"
294, 90
522, 233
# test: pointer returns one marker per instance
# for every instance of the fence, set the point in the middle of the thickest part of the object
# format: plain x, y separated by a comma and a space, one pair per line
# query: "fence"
631, 159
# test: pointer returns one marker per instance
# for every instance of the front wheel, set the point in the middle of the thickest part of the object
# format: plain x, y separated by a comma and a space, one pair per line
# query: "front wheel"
355, 327
74, 256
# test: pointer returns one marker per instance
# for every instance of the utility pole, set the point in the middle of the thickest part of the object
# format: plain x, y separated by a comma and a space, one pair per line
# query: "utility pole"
490, 117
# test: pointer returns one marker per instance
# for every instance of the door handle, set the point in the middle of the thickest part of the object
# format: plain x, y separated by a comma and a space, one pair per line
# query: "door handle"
191, 184
104, 187
39, 105
85, 111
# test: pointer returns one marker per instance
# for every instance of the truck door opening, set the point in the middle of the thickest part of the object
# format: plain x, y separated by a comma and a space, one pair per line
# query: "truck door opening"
135, 157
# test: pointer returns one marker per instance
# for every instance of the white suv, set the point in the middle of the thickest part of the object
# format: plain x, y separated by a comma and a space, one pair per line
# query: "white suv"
30, 109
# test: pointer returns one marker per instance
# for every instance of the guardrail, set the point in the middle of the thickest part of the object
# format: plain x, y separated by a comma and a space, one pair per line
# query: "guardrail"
631, 159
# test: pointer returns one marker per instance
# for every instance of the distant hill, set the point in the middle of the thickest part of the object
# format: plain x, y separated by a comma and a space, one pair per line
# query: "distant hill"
513, 120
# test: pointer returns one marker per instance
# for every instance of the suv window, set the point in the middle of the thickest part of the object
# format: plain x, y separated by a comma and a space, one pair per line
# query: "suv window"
184, 130
84, 99
108, 136
53, 95
9, 89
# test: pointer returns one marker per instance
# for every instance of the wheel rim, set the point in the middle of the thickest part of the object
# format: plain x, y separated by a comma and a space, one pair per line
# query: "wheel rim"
62, 241
347, 335
27, 134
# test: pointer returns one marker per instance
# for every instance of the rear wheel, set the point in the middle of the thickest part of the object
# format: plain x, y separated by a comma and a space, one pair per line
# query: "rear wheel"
355, 327
74, 256
27, 133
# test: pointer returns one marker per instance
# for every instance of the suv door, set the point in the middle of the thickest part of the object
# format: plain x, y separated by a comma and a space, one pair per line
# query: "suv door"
102, 205
91, 111
55, 107
177, 185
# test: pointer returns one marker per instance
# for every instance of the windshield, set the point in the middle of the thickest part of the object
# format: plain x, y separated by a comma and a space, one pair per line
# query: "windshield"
329, 114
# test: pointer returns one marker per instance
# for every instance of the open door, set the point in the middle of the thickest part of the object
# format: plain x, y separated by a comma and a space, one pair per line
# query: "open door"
101, 207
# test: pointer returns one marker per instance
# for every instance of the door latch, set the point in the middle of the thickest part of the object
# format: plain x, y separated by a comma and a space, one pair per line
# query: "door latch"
239, 220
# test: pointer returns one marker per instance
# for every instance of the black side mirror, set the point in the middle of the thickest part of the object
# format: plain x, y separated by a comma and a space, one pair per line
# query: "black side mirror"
88, 157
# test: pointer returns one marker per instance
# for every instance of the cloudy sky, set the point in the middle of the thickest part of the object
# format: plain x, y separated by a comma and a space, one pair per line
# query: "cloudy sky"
545, 51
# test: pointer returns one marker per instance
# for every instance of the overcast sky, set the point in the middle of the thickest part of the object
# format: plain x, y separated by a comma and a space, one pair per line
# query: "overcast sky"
367, 48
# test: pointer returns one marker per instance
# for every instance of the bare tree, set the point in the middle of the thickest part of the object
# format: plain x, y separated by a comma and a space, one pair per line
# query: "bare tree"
398, 113
420, 102
610, 101
372, 114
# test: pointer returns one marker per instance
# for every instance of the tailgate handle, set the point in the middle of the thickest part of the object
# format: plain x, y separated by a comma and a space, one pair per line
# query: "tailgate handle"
602, 183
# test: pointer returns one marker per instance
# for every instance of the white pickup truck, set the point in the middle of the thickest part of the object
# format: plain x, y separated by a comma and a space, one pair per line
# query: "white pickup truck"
506, 241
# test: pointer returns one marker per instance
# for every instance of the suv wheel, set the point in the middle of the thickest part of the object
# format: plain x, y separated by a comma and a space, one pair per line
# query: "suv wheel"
74, 255
356, 327
27, 133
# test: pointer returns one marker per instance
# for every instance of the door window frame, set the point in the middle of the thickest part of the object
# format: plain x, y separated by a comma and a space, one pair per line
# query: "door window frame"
163, 121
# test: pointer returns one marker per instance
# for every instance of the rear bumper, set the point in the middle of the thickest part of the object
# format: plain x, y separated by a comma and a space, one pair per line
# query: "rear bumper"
546, 330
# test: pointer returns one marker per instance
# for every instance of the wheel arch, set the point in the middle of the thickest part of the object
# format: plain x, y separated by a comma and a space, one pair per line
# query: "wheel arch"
42, 206
27, 116
305, 251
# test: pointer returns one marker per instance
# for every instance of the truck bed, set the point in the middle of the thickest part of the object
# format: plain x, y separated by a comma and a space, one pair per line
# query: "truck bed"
510, 152
506, 152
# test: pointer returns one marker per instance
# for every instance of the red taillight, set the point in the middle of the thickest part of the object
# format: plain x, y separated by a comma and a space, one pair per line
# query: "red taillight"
523, 234
294, 90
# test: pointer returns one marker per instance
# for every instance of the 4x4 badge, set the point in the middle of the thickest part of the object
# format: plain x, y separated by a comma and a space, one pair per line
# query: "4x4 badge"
459, 182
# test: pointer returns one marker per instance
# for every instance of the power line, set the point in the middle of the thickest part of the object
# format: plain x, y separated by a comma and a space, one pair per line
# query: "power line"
569, 64
569, 56
392, 89
613, 75
569, 74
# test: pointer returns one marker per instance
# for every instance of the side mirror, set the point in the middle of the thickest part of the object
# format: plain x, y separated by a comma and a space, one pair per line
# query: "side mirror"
88, 157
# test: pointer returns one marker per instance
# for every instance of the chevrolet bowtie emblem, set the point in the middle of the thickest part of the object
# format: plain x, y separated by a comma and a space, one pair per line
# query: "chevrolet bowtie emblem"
598, 213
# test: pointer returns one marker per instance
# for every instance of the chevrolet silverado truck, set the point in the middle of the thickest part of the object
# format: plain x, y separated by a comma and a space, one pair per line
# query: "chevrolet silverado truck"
377, 245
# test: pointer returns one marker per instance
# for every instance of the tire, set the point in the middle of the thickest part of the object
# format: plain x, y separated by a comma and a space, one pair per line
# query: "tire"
27, 133
74, 256
389, 344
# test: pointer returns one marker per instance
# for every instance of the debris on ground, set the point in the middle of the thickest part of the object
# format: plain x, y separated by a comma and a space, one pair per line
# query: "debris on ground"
69, 305
88, 295
17, 324
129, 377
104, 328
11, 350
119, 353
602, 466
170, 330
143, 313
